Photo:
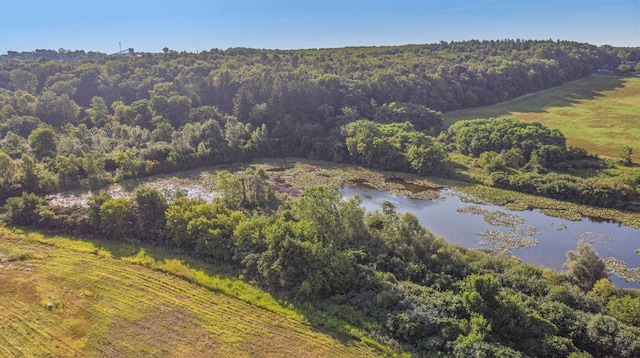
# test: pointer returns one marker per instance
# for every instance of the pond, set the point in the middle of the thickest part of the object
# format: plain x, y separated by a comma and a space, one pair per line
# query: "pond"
530, 235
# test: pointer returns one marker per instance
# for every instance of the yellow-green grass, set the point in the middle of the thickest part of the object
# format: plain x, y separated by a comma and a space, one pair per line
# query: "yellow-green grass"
598, 113
71, 297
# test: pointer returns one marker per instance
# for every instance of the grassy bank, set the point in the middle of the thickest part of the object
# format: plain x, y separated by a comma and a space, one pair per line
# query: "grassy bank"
598, 113
71, 297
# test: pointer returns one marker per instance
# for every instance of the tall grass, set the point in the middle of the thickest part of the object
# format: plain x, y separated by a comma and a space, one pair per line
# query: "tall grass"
598, 113
97, 298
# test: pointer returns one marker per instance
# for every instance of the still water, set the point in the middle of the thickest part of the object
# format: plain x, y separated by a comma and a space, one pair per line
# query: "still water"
548, 238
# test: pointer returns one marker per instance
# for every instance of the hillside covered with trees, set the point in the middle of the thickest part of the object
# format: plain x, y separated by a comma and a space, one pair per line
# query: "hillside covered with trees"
66, 124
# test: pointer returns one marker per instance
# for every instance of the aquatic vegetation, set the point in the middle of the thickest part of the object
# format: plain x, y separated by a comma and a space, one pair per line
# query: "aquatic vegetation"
562, 214
473, 209
472, 199
528, 230
480, 194
495, 217
300, 174
619, 268
518, 206
559, 226
592, 238
504, 242
501, 218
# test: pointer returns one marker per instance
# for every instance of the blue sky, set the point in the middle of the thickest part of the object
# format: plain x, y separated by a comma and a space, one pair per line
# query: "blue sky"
195, 25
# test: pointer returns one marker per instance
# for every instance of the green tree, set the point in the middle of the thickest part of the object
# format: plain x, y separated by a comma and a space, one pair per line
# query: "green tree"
623, 69
150, 208
57, 110
44, 142
122, 113
230, 189
242, 104
94, 203
128, 163
548, 156
602, 290
235, 133
320, 206
426, 159
117, 219
255, 187
98, 112
584, 267
626, 309
27, 173
8, 169
68, 169
201, 228
178, 108
491, 162
24, 80
14, 145
94, 164
481, 294
23, 210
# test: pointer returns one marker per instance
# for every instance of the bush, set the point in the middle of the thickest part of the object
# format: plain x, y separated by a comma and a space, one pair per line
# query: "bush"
23, 210
117, 219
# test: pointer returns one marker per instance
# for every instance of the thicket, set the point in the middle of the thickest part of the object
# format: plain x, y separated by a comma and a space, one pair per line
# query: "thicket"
380, 271
531, 158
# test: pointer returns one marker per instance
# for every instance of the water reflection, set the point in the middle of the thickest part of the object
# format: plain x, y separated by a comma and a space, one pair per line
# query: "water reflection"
454, 220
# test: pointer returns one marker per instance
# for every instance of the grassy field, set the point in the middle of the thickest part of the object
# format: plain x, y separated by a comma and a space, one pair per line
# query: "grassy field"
66, 297
598, 113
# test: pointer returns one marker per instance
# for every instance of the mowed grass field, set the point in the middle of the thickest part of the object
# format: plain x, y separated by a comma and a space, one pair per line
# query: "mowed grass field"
62, 297
598, 113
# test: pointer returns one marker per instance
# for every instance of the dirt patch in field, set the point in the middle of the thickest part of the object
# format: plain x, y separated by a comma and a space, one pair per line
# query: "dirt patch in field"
181, 332
282, 186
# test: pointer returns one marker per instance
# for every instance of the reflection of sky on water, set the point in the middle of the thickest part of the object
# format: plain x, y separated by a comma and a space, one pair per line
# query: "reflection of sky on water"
443, 219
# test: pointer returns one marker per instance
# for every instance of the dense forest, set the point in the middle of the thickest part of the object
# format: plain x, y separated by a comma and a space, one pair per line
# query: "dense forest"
86, 120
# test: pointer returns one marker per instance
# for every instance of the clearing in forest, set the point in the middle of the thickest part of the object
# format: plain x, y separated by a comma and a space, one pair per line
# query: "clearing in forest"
66, 297
598, 113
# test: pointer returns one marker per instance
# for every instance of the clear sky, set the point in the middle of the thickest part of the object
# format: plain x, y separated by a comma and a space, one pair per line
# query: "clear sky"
195, 25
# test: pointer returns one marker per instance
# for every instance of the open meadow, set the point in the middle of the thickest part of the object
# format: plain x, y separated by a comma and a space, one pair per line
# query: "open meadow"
65, 297
598, 113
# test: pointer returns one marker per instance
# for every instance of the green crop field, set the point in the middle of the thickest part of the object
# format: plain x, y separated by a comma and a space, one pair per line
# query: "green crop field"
66, 297
598, 113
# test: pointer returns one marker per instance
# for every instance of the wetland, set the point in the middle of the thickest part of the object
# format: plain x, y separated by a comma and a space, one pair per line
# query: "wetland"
505, 222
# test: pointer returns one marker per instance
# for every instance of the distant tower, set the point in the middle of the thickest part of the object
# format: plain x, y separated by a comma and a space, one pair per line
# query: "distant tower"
120, 46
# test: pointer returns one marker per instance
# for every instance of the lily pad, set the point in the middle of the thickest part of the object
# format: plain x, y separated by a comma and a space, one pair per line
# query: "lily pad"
592, 238
619, 268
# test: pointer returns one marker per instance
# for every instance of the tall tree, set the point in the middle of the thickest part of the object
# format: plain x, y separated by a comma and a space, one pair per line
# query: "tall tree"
584, 266
150, 207
44, 142
8, 169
